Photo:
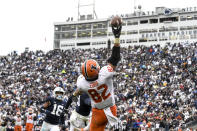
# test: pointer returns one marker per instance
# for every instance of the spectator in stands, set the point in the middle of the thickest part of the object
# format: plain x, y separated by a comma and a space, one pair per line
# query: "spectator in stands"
153, 83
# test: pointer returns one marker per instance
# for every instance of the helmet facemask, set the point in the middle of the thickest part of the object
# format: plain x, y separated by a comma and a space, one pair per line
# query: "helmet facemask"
59, 95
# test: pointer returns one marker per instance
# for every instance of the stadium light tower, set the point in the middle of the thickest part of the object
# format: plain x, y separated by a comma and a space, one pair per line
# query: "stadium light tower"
85, 5
134, 5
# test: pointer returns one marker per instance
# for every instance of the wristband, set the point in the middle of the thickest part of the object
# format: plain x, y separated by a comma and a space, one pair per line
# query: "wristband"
117, 40
74, 94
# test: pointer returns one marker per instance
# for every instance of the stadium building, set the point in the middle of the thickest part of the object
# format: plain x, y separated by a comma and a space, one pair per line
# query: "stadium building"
146, 28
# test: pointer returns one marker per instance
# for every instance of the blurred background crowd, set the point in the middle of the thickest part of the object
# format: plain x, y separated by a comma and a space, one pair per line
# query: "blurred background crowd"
155, 87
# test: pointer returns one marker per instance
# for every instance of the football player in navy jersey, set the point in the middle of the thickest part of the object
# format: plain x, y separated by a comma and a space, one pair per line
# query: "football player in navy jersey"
54, 108
80, 117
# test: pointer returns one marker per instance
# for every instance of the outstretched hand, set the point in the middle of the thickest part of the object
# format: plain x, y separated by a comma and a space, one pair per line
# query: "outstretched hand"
116, 29
116, 24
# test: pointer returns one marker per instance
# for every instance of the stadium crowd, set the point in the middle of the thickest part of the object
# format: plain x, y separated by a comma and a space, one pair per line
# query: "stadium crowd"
155, 87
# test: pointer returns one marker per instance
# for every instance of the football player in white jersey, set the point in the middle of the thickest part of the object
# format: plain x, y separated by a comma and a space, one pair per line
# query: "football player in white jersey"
29, 118
18, 122
98, 84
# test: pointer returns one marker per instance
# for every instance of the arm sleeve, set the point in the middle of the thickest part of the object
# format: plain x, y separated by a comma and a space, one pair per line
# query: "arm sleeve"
48, 99
68, 103
79, 79
62, 119
107, 72
115, 57
87, 101
42, 110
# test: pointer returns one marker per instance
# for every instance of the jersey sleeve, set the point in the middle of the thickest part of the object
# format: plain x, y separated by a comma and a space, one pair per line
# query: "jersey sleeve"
107, 71
86, 99
68, 103
44, 109
49, 99
79, 79
15, 118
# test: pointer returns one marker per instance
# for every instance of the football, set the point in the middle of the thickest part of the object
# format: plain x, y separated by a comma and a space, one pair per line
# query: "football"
116, 21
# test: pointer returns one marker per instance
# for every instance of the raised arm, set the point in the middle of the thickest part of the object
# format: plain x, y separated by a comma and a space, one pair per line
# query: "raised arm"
44, 107
73, 97
116, 25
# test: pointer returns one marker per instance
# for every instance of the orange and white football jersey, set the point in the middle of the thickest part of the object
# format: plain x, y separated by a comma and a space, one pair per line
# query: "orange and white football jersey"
101, 90
143, 127
30, 118
17, 121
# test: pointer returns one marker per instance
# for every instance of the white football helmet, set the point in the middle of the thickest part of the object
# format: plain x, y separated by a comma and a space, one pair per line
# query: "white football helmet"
58, 93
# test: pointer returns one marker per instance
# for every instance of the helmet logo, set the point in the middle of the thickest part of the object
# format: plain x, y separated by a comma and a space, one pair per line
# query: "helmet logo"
93, 67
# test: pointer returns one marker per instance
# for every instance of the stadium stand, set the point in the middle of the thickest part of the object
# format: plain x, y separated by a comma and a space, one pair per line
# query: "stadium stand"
155, 87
